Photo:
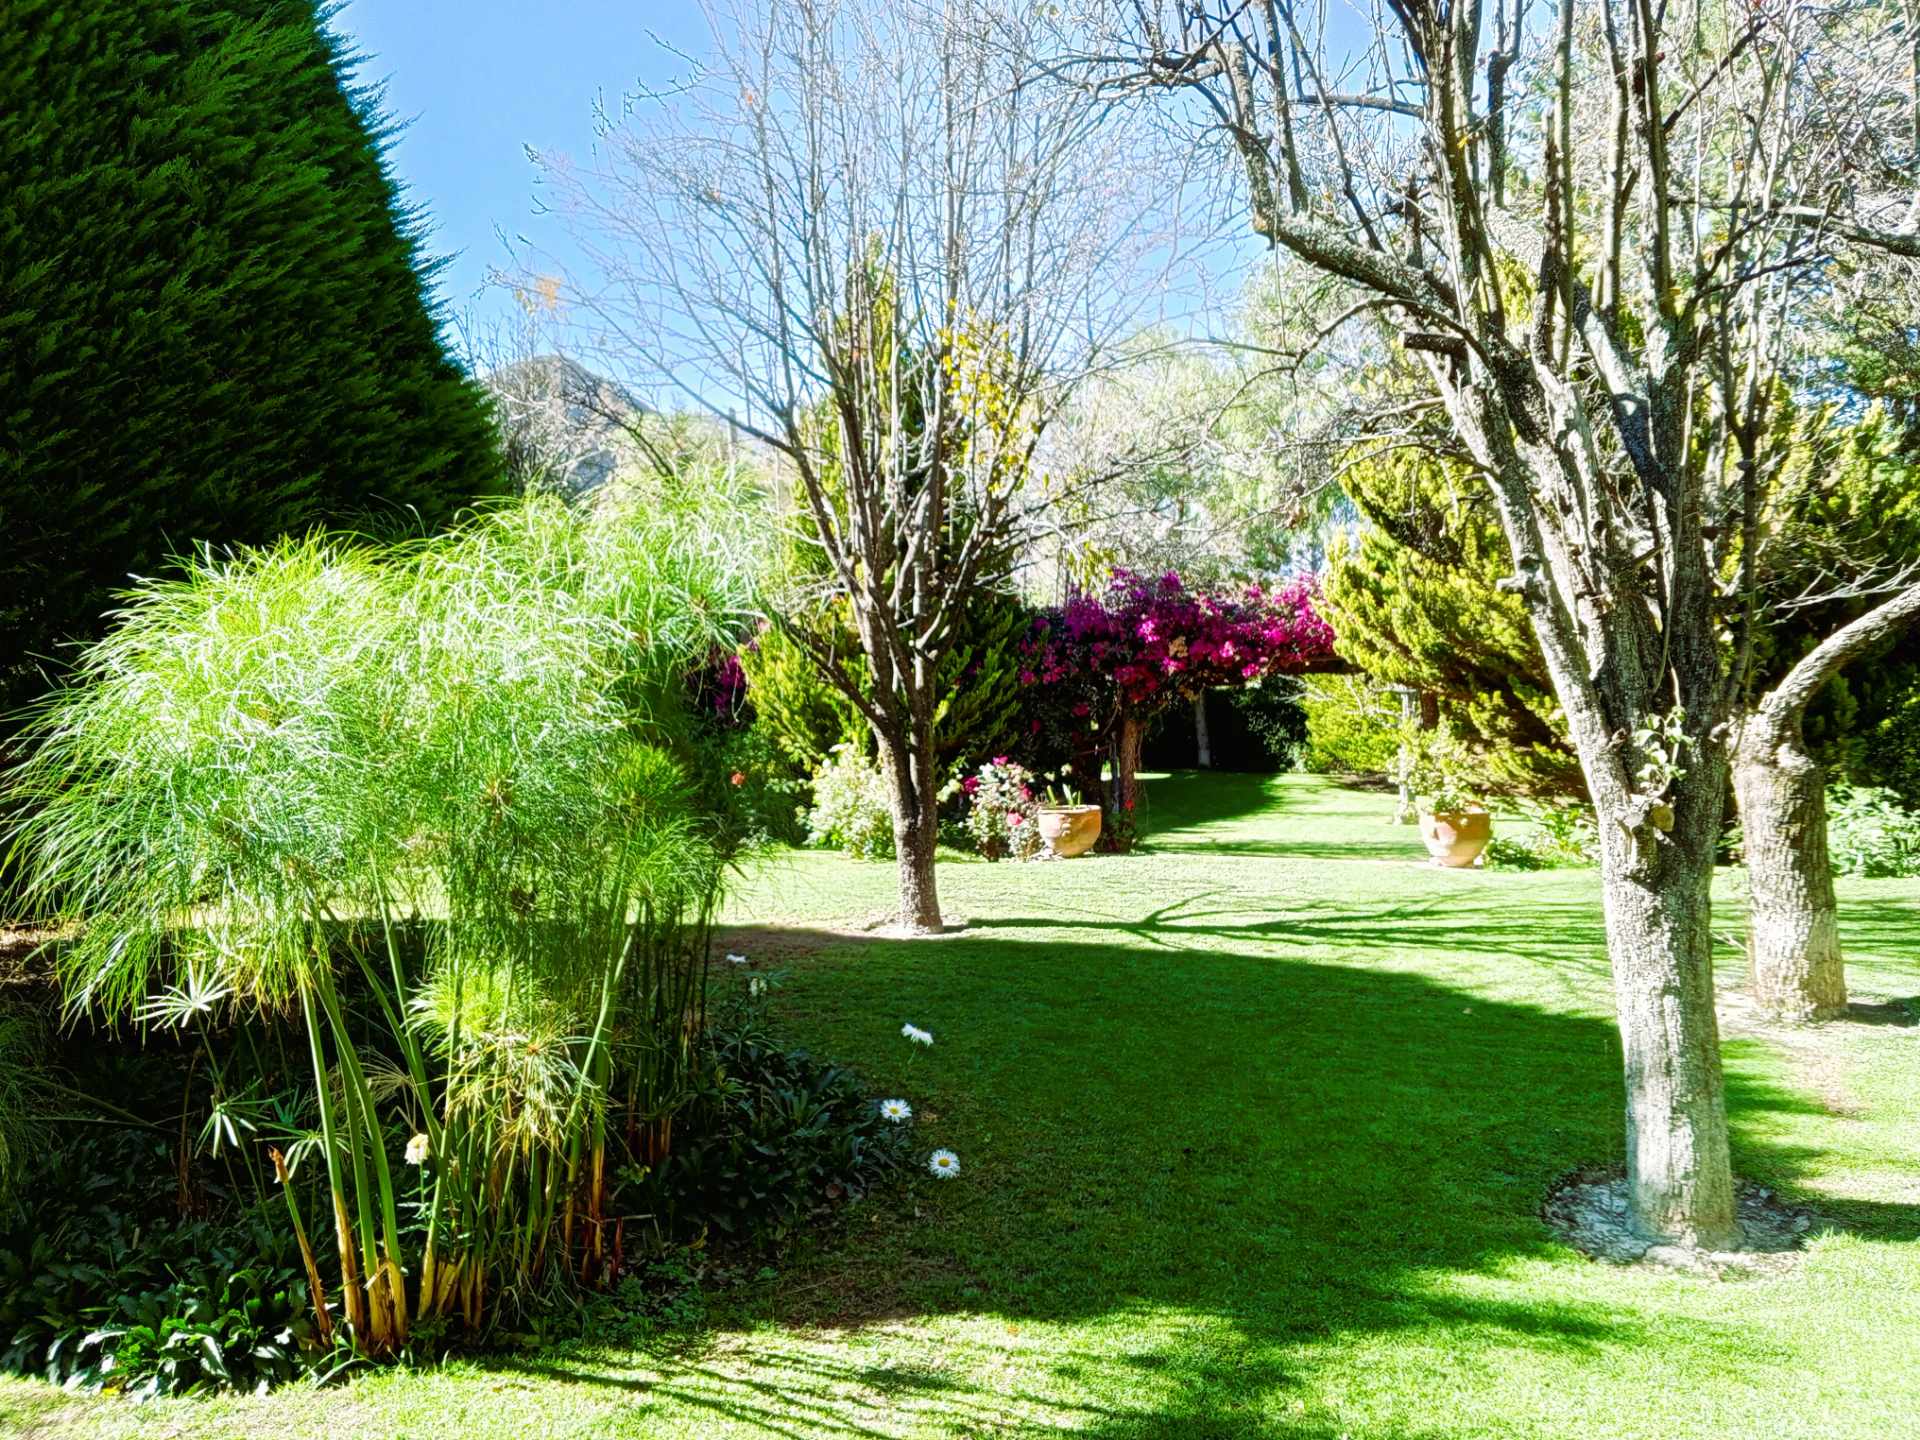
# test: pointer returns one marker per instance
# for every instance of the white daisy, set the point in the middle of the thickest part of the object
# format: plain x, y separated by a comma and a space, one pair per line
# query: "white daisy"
916, 1034
895, 1110
417, 1150
736, 959
944, 1164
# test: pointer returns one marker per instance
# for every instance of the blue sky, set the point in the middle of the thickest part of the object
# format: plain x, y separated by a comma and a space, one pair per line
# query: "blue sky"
473, 83
477, 81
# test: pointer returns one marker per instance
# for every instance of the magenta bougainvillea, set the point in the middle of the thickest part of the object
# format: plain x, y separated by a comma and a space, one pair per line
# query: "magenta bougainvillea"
1148, 640
1100, 665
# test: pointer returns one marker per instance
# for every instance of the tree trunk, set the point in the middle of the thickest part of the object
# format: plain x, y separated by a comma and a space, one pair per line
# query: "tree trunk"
1126, 792
1793, 930
1405, 810
1656, 885
1203, 741
916, 829
1793, 926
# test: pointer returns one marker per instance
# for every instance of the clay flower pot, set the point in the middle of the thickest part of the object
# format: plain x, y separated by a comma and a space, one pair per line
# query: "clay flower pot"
1455, 838
1069, 830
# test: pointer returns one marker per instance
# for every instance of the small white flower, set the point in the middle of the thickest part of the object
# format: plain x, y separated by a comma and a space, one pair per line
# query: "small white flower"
916, 1034
895, 1110
736, 959
756, 986
417, 1150
944, 1164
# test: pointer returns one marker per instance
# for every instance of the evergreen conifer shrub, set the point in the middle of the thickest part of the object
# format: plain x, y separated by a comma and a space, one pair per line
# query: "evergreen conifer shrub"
214, 326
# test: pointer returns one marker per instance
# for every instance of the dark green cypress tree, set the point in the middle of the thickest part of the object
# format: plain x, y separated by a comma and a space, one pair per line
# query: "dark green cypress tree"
214, 324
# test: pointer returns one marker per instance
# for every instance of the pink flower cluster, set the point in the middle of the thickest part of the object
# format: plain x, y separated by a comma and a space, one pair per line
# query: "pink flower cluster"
1002, 810
1149, 639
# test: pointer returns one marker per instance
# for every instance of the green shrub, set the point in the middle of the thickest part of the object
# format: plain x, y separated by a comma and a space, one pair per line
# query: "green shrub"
1414, 600
980, 677
773, 1136
1272, 712
1870, 833
766, 804
1352, 726
1563, 835
1887, 752
215, 325
852, 806
104, 1285
490, 729
23, 1066
801, 717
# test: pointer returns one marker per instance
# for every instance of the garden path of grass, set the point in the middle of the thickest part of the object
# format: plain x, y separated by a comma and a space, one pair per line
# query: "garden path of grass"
1255, 1128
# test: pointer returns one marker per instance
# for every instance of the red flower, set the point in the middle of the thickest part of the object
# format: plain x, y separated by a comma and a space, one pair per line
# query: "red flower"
738, 778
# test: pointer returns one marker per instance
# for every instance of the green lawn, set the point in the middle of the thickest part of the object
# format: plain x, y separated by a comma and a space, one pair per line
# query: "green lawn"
1255, 1127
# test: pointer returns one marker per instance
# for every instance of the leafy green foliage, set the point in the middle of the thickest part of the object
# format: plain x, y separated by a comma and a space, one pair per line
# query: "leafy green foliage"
489, 728
775, 1138
1561, 836
1870, 833
766, 805
1353, 727
852, 807
104, 1285
1274, 718
1848, 499
802, 714
1440, 625
215, 327
1444, 775
23, 1065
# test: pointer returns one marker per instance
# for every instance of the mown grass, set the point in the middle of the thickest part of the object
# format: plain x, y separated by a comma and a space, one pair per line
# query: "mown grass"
1255, 1128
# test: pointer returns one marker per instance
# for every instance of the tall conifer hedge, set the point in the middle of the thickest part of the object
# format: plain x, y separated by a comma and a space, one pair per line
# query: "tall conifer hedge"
214, 325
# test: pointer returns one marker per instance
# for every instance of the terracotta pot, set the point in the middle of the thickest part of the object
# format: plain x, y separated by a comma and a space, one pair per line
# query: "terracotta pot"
1455, 838
1069, 830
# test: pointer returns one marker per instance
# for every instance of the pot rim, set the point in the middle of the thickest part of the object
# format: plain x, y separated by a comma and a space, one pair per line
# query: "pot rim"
1067, 809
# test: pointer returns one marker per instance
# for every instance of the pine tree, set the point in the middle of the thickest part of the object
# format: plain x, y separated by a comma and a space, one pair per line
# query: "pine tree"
214, 326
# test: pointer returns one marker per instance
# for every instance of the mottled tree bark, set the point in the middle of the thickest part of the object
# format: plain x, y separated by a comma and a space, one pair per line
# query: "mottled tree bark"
1793, 925
1203, 739
916, 826
1660, 943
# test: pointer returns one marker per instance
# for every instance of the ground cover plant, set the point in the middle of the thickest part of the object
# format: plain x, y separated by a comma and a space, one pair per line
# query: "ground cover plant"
1255, 1126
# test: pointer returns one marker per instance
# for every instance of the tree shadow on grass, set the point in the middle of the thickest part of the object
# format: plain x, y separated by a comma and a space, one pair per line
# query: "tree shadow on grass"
804, 1394
1562, 934
1255, 1159
1406, 849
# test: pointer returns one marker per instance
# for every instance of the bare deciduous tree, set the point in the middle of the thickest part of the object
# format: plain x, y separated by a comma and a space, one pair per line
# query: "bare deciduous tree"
1590, 227
862, 234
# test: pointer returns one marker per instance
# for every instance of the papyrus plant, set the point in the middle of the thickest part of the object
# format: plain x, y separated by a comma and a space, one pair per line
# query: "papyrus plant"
440, 797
